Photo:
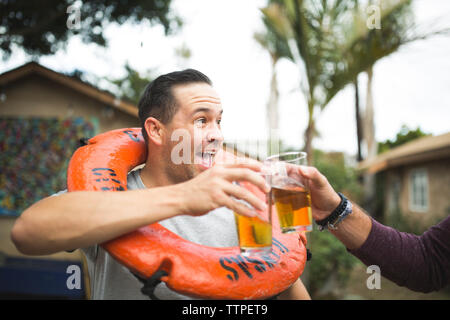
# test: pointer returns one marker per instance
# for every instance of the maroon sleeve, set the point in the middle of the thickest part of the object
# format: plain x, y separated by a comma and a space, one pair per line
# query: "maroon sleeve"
420, 263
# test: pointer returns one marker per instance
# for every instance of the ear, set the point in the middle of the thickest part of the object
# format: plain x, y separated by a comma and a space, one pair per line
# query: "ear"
154, 129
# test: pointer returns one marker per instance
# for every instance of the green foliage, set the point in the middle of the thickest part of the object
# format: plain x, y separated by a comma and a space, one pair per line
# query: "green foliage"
398, 221
272, 42
329, 256
331, 43
358, 47
40, 27
309, 30
403, 136
313, 28
407, 223
132, 85
342, 177
183, 54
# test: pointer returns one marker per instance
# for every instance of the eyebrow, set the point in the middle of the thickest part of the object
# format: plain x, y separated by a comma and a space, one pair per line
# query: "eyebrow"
206, 110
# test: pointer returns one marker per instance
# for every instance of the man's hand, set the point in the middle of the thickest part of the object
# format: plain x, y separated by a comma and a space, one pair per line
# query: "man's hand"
214, 188
323, 197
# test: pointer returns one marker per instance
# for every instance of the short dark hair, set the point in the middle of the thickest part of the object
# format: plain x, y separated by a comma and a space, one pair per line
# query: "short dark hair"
158, 101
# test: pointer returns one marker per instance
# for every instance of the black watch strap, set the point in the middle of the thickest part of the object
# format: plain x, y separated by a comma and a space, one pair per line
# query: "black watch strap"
335, 214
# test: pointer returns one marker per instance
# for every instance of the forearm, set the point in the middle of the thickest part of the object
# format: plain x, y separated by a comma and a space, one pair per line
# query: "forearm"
421, 263
80, 219
354, 229
295, 292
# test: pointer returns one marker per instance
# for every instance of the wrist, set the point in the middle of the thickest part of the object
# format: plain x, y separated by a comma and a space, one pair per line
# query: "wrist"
328, 206
341, 212
181, 199
335, 201
170, 201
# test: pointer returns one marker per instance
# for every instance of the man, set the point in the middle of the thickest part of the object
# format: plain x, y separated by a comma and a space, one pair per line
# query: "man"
187, 197
420, 263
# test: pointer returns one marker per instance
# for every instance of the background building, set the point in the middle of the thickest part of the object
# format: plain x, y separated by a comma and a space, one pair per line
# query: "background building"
414, 182
43, 115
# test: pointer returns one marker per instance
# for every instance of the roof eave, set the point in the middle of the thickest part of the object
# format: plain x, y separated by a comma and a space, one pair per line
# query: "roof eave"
78, 85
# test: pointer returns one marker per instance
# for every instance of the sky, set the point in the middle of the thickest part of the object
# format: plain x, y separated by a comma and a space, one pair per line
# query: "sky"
410, 87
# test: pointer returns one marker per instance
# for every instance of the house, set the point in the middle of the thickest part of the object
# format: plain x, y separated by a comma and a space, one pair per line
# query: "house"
35, 91
414, 180
43, 115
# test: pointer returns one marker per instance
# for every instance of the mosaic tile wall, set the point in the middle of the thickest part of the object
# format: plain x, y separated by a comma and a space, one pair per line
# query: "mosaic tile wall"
34, 155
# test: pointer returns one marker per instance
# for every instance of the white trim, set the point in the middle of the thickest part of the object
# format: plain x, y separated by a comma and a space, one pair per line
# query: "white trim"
418, 190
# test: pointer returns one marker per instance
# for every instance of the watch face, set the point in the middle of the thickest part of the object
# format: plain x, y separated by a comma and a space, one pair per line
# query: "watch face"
349, 207
339, 214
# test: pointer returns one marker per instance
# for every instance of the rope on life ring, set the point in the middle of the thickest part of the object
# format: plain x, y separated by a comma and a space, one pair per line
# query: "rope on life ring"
153, 252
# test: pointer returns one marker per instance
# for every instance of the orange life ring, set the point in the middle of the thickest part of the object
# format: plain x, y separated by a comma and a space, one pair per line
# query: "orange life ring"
190, 269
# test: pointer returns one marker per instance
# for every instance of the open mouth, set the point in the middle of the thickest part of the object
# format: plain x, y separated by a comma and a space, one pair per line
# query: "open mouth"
206, 158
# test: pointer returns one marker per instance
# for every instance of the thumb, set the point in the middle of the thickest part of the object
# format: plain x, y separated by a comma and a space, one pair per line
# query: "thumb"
316, 179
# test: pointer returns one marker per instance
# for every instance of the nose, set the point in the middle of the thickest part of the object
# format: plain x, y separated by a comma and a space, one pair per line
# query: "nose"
215, 135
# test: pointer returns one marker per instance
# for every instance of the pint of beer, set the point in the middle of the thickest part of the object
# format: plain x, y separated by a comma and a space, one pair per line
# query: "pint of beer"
254, 233
293, 205
289, 194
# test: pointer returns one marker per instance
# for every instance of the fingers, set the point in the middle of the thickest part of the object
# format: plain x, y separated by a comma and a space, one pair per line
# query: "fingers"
243, 194
244, 174
240, 208
225, 158
310, 173
244, 171
252, 165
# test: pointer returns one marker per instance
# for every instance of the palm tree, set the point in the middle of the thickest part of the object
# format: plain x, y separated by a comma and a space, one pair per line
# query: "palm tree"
363, 47
371, 45
309, 29
277, 49
331, 43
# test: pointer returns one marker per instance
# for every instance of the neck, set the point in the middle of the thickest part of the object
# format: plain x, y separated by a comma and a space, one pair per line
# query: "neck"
153, 175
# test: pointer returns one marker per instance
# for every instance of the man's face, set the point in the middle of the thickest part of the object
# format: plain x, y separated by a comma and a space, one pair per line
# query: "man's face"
198, 121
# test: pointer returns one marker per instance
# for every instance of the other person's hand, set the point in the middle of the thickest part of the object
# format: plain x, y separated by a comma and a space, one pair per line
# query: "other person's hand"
323, 197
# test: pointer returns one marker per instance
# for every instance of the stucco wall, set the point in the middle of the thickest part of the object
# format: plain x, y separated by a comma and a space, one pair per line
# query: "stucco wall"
438, 173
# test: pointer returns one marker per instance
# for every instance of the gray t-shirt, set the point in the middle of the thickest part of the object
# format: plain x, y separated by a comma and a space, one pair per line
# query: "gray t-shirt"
110, 280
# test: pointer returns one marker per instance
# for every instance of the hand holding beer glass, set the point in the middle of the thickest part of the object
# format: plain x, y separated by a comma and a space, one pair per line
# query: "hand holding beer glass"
254, 233
289, 192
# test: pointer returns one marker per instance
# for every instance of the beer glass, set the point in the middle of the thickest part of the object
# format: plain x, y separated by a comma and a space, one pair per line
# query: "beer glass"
254, 233
289, 192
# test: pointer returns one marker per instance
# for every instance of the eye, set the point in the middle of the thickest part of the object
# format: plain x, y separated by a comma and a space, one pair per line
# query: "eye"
219, 121
200, 121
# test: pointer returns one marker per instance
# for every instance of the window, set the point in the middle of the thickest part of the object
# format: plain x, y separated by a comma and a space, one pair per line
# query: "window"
418, 190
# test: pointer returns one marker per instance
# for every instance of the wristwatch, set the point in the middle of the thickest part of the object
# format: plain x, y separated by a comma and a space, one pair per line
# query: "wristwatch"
340, 213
